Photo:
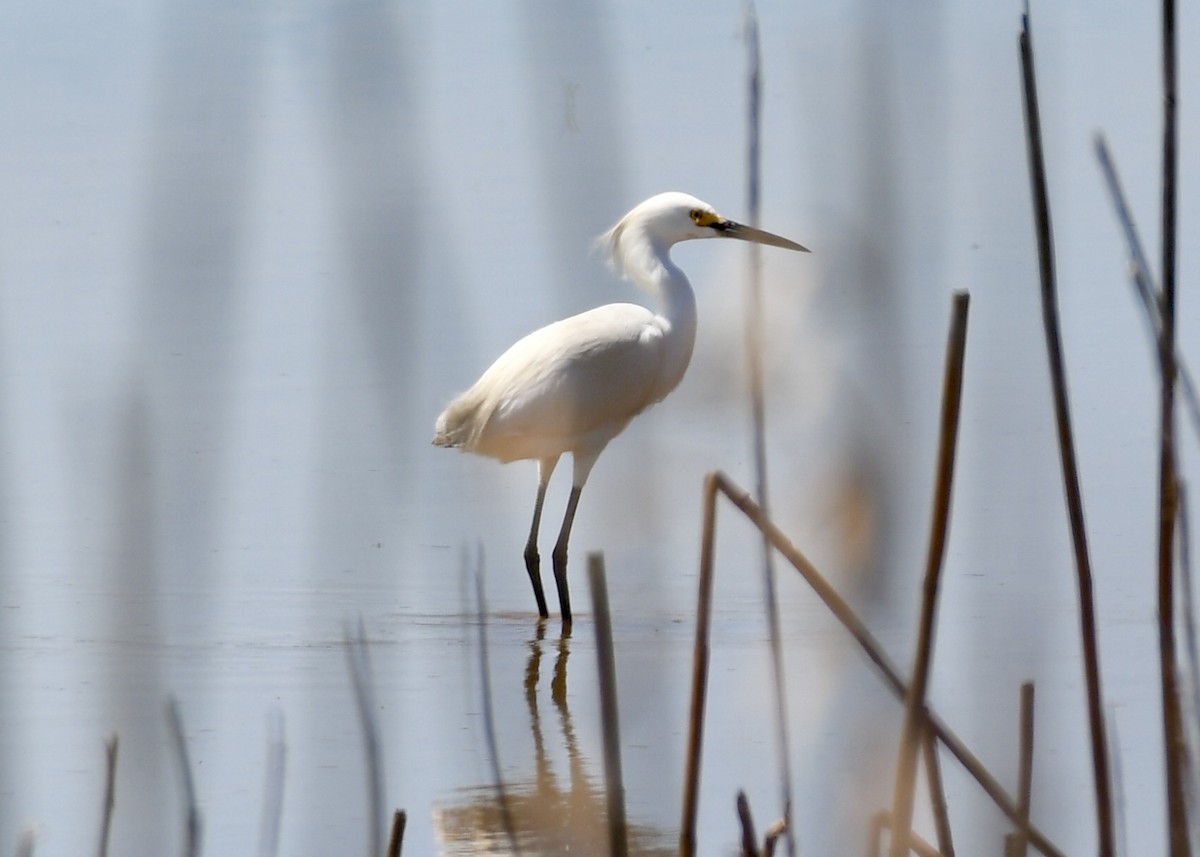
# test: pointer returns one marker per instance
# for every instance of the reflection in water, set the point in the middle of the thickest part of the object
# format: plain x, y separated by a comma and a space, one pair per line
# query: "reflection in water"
547, 815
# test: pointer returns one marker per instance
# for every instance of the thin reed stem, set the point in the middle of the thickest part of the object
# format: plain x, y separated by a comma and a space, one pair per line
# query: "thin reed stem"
110, 793
1017, 844
1174, 745
609, 713
914, 701
193, 827
700, 655
746, 821
1188, 609
359, 661
750, 838
937, 794
1143, 281
1066, 445
754, 361
489, 720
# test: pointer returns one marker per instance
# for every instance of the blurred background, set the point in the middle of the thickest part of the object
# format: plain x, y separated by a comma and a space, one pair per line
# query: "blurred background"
249, 250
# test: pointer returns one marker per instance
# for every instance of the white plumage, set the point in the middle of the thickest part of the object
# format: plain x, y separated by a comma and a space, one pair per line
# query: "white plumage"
574, 385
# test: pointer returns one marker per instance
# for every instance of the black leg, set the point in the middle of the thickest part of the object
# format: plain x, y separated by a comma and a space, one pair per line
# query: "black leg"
533, 563
560, 556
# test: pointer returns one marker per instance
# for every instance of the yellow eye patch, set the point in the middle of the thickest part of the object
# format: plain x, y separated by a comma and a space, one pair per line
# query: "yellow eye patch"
704, 218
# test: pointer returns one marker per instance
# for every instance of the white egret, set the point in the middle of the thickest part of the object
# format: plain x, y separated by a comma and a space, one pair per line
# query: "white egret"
574, 385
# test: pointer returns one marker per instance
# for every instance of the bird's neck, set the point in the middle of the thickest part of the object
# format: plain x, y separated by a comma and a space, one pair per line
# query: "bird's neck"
677, 301
649, 265
676, 309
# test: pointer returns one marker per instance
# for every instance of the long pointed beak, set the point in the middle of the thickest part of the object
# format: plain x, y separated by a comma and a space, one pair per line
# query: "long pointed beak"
759, 236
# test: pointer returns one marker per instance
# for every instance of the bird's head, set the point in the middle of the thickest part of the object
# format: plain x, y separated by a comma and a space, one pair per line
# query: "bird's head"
671, 217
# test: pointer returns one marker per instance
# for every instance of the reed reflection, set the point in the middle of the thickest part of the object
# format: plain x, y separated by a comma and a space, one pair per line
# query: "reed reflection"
548, 815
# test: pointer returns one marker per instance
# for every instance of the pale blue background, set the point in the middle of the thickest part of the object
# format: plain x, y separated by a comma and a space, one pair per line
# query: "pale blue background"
248, 250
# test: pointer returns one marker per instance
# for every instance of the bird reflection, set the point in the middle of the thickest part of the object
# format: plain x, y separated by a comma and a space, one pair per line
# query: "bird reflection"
547, 816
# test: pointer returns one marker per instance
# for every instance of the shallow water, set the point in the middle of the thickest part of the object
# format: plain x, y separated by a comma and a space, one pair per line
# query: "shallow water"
428, 685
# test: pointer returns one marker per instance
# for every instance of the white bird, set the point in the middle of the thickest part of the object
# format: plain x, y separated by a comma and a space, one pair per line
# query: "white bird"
574, 385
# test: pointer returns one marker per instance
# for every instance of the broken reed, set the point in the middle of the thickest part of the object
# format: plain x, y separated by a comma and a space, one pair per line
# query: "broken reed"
718, 483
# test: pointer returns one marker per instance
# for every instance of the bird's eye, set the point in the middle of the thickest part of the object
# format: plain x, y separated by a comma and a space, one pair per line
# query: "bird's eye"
696, 214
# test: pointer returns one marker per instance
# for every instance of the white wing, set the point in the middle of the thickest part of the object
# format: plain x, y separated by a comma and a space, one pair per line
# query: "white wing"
563, 387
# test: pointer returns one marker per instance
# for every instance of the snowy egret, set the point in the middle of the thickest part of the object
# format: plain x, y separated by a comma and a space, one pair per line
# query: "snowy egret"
574, 385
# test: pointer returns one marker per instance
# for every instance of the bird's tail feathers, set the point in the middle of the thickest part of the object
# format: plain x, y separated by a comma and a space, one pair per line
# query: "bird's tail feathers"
457, 424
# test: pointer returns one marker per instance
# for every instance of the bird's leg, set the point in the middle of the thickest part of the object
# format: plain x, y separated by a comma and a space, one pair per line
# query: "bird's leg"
560, 555
533, 563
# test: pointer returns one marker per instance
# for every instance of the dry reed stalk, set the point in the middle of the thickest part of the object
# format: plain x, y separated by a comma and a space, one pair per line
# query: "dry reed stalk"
914, 700
1158, 306
359, 661
937, 793
1143, 280
1191, 643
489, 720
1175, 748
396, 840
193, 827
609, 714
700, 654
1066, 445
750, 838
1152, 303
110, 792
1015, 843
754, 362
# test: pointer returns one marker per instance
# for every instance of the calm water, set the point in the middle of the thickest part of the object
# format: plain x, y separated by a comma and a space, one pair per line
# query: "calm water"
249, 251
